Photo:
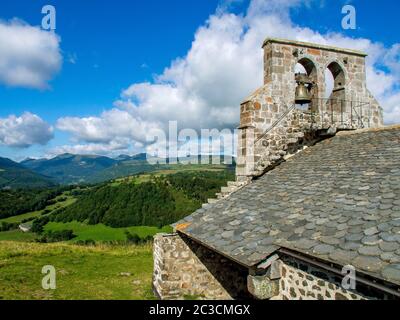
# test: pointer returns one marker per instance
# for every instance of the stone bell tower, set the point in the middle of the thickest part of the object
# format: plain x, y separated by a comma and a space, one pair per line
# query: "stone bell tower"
273, 126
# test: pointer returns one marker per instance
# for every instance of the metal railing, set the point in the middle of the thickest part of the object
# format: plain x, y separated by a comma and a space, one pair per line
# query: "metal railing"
342, 113
276, 122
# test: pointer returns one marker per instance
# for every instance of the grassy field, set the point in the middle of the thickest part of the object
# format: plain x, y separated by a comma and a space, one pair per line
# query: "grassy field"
89, 273
17, 235
100, 232
145, 177
17, 219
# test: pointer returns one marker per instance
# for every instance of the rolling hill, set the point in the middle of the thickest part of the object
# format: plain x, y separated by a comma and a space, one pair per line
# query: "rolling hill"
158, 202
14, 175
74, 169
69, 168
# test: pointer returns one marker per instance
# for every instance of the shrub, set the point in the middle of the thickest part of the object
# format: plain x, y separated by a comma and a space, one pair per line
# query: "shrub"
38, 224
57, 236
44, 212
28, 220
6, 226
88, 242
133, 238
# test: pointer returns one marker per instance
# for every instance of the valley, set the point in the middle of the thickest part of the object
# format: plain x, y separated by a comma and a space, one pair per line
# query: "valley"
98, 236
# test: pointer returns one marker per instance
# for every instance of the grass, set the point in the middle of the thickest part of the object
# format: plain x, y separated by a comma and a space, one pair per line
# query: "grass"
18, 219
84, 273
193, 167
100, 232
17, 235
175, 168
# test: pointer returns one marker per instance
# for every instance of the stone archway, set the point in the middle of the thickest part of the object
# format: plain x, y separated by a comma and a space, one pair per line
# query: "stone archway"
336, 99
310, 68
339, 84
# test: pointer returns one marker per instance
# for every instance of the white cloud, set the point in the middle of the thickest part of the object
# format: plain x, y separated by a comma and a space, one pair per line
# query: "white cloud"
29, 56
111, 125
114, 147
24, 131
224, 64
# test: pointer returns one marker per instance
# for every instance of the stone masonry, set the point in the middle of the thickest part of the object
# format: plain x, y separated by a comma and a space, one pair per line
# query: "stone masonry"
183, 268
289, 278
300, 209
271, 127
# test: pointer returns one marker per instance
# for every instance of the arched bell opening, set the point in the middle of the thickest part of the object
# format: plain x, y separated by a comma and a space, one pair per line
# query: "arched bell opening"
306, 85
335, 88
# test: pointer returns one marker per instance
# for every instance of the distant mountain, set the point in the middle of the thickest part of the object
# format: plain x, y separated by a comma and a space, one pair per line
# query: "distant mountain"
123, 169
125, 157
14, 175
69, 168
131, 165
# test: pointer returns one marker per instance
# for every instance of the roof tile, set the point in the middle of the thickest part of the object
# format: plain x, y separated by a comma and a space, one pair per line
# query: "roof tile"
339, 201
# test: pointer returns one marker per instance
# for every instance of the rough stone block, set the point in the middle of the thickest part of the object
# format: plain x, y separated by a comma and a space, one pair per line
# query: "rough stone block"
262, 288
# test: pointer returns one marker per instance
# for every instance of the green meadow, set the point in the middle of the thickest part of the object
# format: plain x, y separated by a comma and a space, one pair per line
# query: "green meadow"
100, 232
17, 235
99, 263
101, 272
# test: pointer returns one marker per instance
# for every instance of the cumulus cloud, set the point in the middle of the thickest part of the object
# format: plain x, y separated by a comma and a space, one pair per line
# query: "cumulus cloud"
114, 148
224, 64
91, 148
29, 56
24, 131
111, 125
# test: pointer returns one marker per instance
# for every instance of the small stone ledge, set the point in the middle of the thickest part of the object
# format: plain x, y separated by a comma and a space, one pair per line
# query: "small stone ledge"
262, 287
314, 45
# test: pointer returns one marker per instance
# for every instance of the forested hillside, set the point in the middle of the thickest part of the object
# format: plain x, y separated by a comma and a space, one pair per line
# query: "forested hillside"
147, 204
14, 175
16, 202
158, 202
200, 185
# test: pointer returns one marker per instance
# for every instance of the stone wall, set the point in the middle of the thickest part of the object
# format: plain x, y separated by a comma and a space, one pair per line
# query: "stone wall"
185, 269
300, 281
352, 106
299, 129
291, 279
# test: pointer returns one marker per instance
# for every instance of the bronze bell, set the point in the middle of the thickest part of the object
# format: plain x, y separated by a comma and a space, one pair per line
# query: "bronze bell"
302, 94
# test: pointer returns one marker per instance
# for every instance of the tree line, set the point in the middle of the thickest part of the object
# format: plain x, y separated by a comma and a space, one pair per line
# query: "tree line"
152, 203
20, 201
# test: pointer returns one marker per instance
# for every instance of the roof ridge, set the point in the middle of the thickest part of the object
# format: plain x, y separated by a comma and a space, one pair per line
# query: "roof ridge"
376, 129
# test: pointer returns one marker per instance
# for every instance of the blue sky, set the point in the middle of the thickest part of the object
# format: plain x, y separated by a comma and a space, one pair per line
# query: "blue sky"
108, 46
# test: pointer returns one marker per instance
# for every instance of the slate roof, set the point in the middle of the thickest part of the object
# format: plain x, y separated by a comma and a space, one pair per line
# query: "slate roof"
338, 201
